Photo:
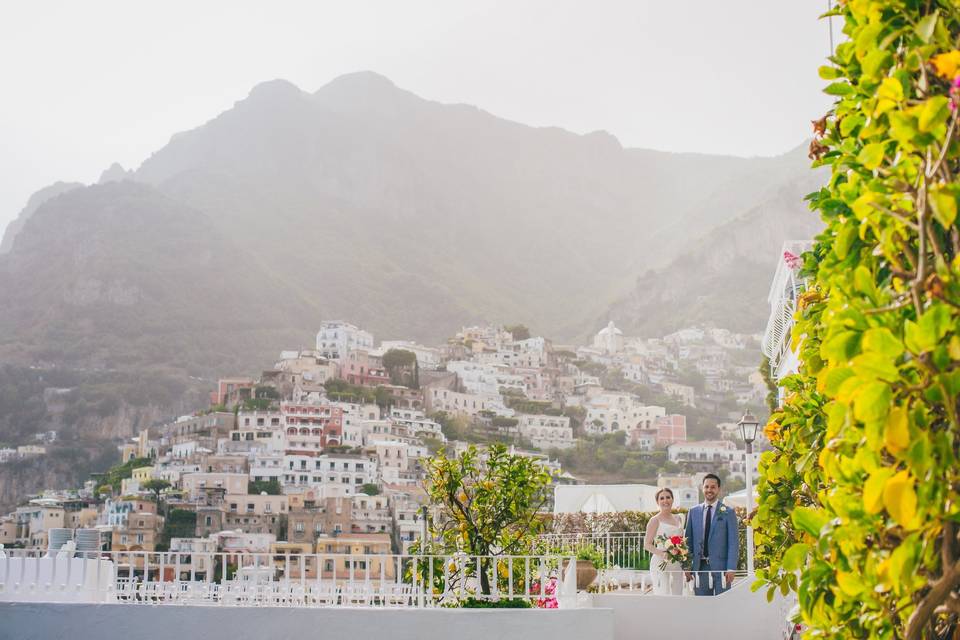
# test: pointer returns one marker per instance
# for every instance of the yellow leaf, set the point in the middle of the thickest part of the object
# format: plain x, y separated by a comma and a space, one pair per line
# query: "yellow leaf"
772, 431
900, 499
850, 583
947, 64
896, 434
873, 489
954, 348
890, 89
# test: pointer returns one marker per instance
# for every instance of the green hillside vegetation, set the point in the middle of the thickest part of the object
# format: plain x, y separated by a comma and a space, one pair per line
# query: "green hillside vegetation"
113, 476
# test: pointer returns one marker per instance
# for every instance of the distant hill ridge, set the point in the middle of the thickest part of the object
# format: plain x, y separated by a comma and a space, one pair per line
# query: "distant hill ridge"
363, 201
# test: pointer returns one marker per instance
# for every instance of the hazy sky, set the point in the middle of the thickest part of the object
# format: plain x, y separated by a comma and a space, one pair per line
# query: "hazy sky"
89, 83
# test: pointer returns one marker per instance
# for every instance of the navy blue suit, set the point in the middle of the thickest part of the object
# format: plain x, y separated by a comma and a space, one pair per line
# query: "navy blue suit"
722, 549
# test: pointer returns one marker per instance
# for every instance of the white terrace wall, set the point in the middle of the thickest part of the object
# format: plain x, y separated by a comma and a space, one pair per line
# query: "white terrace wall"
45, 621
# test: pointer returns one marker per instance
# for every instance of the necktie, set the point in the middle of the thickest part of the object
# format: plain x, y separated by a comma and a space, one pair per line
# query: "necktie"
706, 529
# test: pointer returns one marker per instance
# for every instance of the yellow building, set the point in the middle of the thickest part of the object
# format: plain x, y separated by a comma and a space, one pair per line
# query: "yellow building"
357, 557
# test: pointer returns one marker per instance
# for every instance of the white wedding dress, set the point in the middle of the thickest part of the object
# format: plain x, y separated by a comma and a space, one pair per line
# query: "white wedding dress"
669, 581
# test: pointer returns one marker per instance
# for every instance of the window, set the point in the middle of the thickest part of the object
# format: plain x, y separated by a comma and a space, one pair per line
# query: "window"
208, 521
298, 527
268, 507
233, 507
250, 507
139, 538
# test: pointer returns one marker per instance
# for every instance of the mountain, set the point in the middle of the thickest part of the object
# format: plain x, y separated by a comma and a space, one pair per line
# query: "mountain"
37, 199
723, 277
365, 202
121, 275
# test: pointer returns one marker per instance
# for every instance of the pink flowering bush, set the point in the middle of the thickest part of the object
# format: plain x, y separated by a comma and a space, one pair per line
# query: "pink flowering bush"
549, 591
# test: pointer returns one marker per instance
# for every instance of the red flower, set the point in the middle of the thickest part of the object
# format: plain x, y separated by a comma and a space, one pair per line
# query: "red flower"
676, 540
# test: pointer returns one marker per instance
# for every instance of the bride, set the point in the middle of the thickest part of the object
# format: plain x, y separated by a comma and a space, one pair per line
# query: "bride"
669, 580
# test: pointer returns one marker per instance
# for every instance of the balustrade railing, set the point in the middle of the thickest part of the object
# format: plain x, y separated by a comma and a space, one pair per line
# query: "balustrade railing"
623, 550
244, 578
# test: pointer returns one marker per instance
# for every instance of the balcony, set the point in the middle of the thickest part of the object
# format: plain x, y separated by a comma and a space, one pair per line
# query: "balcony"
784, 291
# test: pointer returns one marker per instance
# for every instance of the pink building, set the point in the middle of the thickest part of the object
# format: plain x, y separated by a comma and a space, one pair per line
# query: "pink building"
308, 428
360, 368
231, 391
670, 429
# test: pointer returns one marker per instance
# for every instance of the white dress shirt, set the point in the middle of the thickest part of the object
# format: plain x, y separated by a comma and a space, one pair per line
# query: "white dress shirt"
713, 516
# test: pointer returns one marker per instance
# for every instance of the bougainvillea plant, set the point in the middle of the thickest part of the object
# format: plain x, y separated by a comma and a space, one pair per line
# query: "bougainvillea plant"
858, 510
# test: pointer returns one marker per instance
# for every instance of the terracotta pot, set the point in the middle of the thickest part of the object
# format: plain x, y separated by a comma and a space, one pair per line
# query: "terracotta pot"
586, 574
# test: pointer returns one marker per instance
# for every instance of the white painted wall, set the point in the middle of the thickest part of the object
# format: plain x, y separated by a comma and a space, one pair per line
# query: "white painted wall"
38, 621
737, 614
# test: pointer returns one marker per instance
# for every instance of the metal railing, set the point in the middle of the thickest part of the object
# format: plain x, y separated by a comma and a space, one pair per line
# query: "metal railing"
295, 580
623, 550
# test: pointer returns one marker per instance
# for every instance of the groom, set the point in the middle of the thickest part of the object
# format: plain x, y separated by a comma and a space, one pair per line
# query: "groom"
713, 540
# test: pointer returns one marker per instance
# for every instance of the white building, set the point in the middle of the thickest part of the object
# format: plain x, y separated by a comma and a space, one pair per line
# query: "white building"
465, 403
616, 411
609, 340
427, 357
485, 379
712, 452
546, 432
416, 423
336, 339
267, 466
342, 474
684, 392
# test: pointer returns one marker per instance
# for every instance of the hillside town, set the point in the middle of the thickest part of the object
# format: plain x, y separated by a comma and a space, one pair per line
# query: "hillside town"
325, 450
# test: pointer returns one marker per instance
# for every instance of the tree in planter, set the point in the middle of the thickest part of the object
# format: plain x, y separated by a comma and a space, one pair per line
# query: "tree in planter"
486, 503
271, 487
518, 331
156, 486
860, 498
401, 366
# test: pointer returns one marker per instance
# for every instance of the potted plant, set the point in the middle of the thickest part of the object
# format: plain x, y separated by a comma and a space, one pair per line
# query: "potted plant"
590, 559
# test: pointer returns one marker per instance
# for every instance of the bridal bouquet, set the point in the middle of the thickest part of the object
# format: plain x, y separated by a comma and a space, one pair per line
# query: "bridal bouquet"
674, 550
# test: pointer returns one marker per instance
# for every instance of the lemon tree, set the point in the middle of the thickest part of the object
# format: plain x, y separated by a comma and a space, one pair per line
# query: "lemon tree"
858, 506
486, 503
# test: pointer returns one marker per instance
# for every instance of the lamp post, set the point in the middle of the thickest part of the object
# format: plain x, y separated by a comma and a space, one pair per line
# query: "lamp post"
748, 431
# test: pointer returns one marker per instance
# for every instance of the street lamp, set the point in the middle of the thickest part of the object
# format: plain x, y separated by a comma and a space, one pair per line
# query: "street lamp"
748, 431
